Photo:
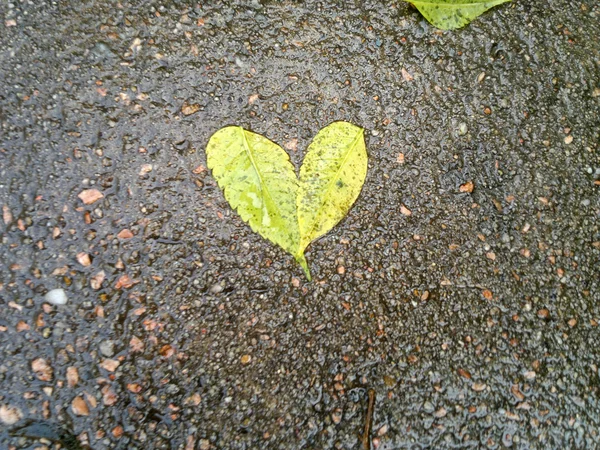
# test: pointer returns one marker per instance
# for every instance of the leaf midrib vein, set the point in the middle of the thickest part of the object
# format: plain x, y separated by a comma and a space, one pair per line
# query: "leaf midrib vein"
263, 187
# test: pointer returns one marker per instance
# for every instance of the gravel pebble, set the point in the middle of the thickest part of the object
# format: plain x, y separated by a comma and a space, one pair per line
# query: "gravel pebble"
10, 415
56, 297
107, 348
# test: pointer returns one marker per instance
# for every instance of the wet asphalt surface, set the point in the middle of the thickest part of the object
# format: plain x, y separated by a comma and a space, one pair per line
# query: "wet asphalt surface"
473, 320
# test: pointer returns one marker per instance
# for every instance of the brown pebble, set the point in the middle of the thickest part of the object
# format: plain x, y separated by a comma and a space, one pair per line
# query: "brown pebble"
125, 282
97, 280
341, 270
91, 400
117, 431
516, 391
478, 387
22, 326
72, 376
134, 387
125, 234
405, 211
110, 364
80, 407
198, 170
407, 76
13, 304
90, 196
109, 397
467, 187
166, 351
291, 145
487, 111
572, 322
42, 369
84, 259
6, 215
246, 359
136, 345
543, 313
464, 373
189, 109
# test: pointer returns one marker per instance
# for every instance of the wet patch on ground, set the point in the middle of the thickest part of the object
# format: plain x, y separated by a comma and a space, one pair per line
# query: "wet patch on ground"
462, 287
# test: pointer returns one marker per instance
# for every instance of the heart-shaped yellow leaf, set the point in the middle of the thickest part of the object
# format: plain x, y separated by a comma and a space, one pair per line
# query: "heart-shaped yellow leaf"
259, 182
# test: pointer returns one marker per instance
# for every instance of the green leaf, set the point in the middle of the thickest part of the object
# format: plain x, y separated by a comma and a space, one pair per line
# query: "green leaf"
259, 182
453, 14
331, 179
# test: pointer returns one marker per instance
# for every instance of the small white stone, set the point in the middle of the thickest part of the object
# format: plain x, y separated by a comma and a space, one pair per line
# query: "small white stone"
10, 415
146, 168
56, 297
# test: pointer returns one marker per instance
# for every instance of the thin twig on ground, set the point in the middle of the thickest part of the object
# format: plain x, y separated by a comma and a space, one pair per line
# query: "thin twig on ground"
366, 437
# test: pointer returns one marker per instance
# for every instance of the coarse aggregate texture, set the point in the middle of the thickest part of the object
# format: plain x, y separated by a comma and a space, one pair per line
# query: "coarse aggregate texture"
462, 288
